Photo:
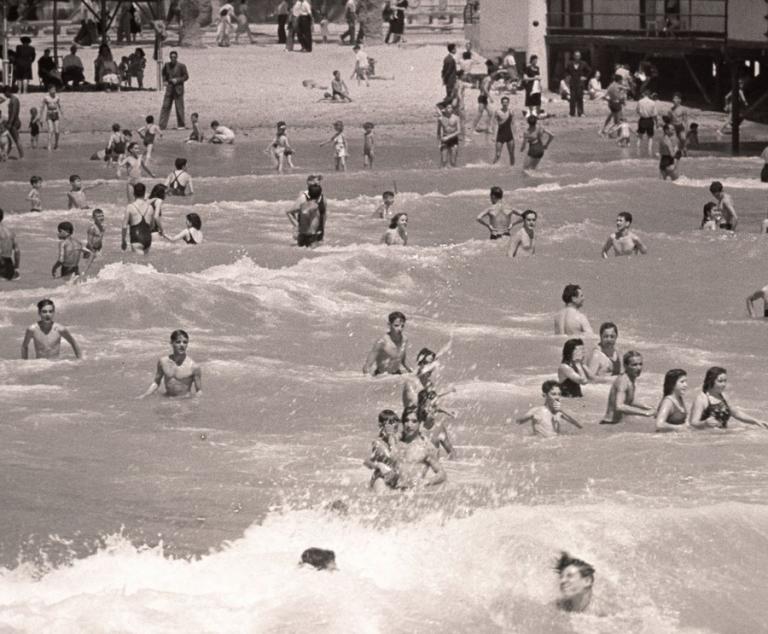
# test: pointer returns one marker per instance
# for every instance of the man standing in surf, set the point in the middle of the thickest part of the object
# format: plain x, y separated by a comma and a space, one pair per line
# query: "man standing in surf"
177, 371
47, 335
621, 398
387, 356
570, 320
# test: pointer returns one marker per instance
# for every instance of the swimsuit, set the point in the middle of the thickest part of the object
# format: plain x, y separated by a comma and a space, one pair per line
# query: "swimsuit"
149, 139
535, 146
34, 128
679, 414
7, 268
141, 232
646, 125
66, 271
176, 188
570, 388
504, 133
719, 411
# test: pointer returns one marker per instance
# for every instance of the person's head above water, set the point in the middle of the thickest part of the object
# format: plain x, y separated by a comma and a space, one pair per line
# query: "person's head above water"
394, 316
571, 292
319, 559
139, 190
711, 377
396, 219
195, 221
568, 349
179, 334
497, 193
158, 191
671, 378
716, 188
576, 580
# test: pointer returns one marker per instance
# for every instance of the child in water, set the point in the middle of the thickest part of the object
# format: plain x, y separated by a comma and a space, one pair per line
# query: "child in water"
70, 250
35, 203
708, 222
381, 459
281, 149
545, 419
34, 127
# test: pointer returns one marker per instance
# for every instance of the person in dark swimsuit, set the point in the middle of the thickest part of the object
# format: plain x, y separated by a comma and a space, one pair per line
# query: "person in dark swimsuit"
504, 133
672, 414
137, 222
711, 409
571, 373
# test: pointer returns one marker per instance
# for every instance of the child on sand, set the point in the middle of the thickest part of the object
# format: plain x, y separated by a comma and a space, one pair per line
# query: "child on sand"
70, 250
339, 146
35, 203
76, 195
339, 90
368, 144
148, 134
361, 65
221, 134
545, 419
34, 127
384, 210
281, 149
196, 136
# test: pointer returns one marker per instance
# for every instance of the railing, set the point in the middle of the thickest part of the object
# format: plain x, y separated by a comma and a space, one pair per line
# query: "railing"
652, 18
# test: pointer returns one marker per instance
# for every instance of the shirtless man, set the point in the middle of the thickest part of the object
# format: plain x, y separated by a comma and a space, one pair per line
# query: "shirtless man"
498, 218
621, 399
47, 335
415, 457
570, 320
10, 256
624, 241
524, 241
137, 222
134, 163
725, 206
761, 294
545, 419
604, 362
388, 353
178, 371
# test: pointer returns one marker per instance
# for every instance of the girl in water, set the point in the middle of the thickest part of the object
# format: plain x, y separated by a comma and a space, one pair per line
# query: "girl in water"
571, 372
533, 137
397, 234
156, 199
672, 414
711, 409
192, 234
381, 459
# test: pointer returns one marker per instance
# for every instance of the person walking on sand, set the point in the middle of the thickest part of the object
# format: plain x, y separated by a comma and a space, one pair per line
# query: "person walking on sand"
46, 335
175, 75
178, 372
570, 320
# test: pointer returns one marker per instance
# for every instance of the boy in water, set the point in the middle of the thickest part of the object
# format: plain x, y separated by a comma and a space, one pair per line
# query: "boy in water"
624, 241
725, 207
221, 134
388, 353
95, 234
148, 134
196, 136
70, 250
76, 195
178, 372
384, 210
524, 240
497, 218
621, 399
133, 161
545, 419
47, 335
368, 144
306, 220
35, 203
381, 459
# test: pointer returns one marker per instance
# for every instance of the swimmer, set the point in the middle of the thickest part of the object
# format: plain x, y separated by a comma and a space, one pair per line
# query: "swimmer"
725, 208
397, 234
70, 250
761, 294
134, 163
448, 132
577, 578
571, 372
178, 371
545, 419
381, 459
76, 196
524, 241
319, 559
388, 353
604, 362
533, 137
384, 210
137, 222
672, 414
624, 241
711, 409
497, 218
709, 221
47, 335
427, 368
621, 398
570, 320
433, 430
669, 153
10, 255
416, 456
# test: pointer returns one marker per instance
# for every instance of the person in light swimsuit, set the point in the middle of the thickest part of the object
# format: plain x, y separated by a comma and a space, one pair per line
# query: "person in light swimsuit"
710, 407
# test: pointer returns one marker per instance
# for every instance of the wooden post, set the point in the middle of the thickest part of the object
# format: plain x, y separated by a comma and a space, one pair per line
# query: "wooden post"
55, 33
735, 107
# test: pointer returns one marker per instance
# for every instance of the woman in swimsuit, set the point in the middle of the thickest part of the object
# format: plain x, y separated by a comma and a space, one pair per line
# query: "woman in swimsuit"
672, 414
710, 409
397, 233
52, 112
504, 133
571, 372
533, 138
156, 200
192, 234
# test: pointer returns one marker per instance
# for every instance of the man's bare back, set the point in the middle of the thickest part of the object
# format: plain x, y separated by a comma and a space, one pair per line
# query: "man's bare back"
571, 321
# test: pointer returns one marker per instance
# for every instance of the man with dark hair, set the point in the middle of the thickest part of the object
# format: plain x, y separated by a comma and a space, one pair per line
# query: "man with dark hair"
9, 252
570, 320
576, 580
448, 73
46, 335
14, 121
578, 72
387, 356
174, 75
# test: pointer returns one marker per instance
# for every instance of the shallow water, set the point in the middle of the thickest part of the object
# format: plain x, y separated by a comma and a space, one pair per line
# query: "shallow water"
159, 516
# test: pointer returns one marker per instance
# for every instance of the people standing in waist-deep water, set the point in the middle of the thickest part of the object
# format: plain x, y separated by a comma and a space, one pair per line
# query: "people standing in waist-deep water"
308, 214
179, 182
724, 207
498, 218
624, 241
621, 398
672, 413
177, 372
397, 234
46, 334
570, 320
523, 243
710, 407
388, 354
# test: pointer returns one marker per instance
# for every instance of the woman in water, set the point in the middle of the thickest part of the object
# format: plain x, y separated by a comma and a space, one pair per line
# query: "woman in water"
156, 199
397, 234
576, 580
710, 409
192, 234
533, 137
571, 372
672, 414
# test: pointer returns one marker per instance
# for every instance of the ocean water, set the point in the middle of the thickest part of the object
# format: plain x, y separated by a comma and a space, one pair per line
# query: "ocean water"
120, 515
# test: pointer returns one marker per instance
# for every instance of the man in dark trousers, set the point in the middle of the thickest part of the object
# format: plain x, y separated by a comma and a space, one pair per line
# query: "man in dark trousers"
174, 76
449, 71
14, 122
578, 72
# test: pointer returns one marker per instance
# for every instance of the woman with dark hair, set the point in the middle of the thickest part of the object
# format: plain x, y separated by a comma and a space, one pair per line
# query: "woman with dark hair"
192, 234
576, 580
711, 409
156, 200
105, 68
672, 414
47, 71
571, 372
397, 233
397, 23
22, 65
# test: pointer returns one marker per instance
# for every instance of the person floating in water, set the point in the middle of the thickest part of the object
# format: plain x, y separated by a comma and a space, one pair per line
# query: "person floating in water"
545, 419
624, 241
177, 371
577, 578
388, 353
621, 398
319, 559
570, 320
47, 335
711, 409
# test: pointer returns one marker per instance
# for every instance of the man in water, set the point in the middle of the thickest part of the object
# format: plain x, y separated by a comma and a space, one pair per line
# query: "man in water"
624, 241
570, 320
308, 213
761, 294
10, 255
545, 419
178, 371
725, 207
621, 399
576, 580
498, 218
524, 241
415, 456
604, 362
47, 335
388, 353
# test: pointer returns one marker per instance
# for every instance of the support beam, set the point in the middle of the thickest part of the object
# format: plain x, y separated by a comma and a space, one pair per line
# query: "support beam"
735, 107
696, 81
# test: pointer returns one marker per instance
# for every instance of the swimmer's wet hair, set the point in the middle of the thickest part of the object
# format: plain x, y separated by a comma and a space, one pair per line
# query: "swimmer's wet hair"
179, 333
214, 124
388, 416
395, 315
528, 212
671, 378
115, 127
497, 192
396, 218
568, 348
411, 409
150, 119
547, 386
569, 292
566, 560
629, 355
97, 211
626, 215
43, 303
66, 226
73, 178
180, 163
424, 356
388, 193
716, 187
35, 179
318, 558
139, 190
158, 191
195, 221
711, 376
